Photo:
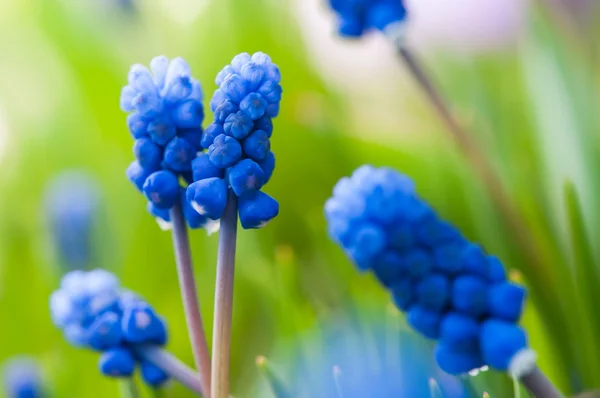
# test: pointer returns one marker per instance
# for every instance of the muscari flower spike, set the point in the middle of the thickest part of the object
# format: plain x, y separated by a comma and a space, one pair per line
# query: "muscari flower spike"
71, 204
94, 312
450, 289
165, 118
357, 17
238, 149
22, 378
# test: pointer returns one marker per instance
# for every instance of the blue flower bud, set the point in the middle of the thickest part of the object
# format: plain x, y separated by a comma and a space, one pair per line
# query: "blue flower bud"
425, 321
506, 301
22, 378
350, 27
203, 168
417, 263
148, 104
193, 137
225, 151
356, 18
140, 324
368, 242
402, 291
257, 146
105, 331
211, 132
388, 267
117, 362
179, 154
496, 269
470, 295
261, 58
433, 292
256, 209
224, 74
162, 189
246, 177
128, 94
272, 110
253, 74
148, 154
239, 61
162, 216
268, 166
238, 125
264, 123
234, 88
161, 131
434, 232
449, 258
159, 66
152, 374
270, 92
475, 261
225, 109
454, 361
177, 68
460, 332
193, 218
137, 174
178, 89
254, 105
137, 125
188, 114
217, 99
140, 79
500, 341
401, 236
208, 197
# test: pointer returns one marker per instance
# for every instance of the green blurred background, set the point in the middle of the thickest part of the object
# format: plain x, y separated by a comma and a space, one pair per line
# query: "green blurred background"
527, 87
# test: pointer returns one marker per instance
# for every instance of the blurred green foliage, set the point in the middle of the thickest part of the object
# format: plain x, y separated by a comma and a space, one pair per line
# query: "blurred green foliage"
534, 109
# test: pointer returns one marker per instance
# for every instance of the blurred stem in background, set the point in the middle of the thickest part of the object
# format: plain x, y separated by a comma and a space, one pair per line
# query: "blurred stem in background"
189, 295
224, 299
129, 388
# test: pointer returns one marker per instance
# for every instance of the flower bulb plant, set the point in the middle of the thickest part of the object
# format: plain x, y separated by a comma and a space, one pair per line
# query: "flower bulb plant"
451, 290
94, 312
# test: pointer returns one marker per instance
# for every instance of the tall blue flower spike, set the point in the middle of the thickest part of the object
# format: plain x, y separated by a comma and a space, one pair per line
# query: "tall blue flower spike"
357, 17
22, 378
165, 121
94, 312
71, 204
450, 289
237, 143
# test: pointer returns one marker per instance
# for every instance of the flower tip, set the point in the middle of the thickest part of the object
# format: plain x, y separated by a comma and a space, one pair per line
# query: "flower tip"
164, 225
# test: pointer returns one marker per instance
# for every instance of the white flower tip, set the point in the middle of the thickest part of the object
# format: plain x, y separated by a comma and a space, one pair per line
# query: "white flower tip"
522, 363
199, 209
163, 225
396, 32
212, 226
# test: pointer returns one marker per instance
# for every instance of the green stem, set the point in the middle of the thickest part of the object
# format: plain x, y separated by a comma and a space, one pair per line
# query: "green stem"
129, 388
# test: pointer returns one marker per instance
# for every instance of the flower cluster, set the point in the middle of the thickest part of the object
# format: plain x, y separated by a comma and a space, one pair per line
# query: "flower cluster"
95, 313
358, 16
71, 204
238, 150
165, 119
22, 379
451, 290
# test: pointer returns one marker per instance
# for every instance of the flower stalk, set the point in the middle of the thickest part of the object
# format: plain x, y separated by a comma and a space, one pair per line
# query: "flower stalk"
190, 297
224, 299
539, 386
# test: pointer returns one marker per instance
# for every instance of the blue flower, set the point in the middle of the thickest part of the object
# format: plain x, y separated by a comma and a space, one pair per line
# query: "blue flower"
165, 119
451, 290
22, 378
356, 17
238, 143
72, 201
95, 313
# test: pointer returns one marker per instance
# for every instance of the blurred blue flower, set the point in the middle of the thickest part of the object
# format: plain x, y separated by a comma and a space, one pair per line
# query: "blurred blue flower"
94, 312
356, 17
22, 378
165, 119
451, 290
71, 203
238, 142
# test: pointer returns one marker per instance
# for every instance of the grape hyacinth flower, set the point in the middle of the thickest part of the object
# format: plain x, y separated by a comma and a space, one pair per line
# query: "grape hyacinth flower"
357, 17
229, 175
451, 290
22, 378
95, 313
166, 114
71, 203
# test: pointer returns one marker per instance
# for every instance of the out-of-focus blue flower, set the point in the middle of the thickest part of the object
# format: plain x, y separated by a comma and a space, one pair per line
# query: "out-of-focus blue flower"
356, 17
238, 144
22, 378
94, 312
72, 200
451, 290
165, 120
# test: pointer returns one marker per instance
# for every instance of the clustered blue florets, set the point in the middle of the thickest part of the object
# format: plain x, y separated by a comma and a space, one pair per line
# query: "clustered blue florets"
238, 150
451, 290
22, 379
95, 313
358, 16
165, 119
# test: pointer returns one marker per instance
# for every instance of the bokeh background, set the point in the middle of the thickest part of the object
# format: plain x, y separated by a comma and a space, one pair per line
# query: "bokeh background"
521, 75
